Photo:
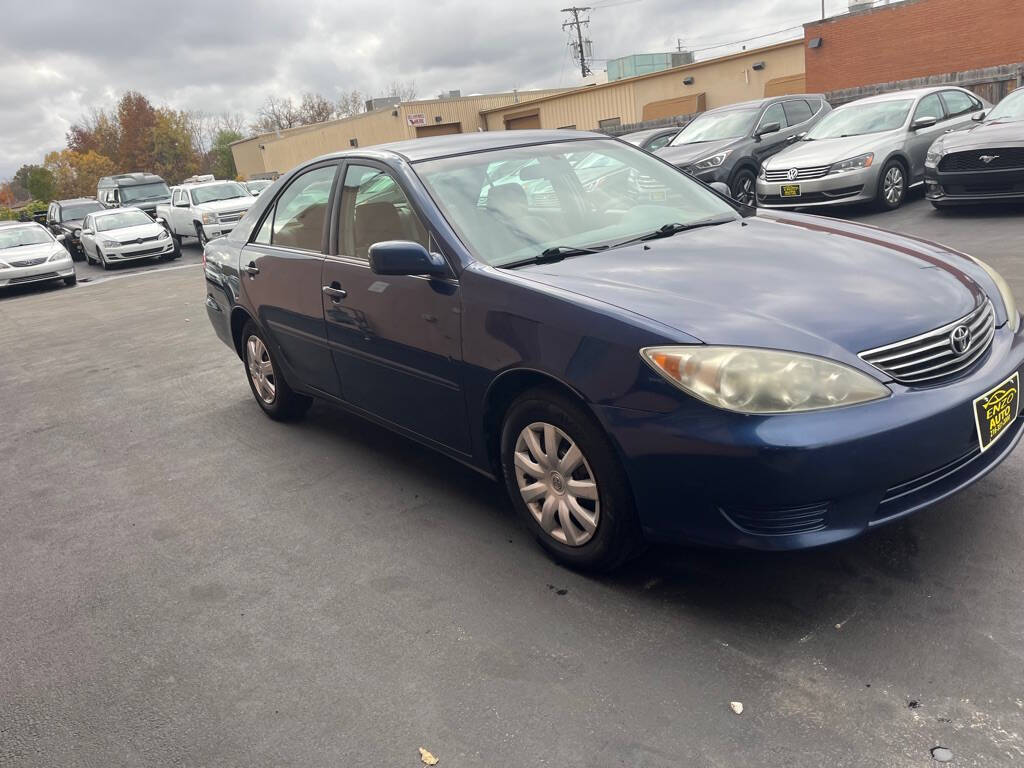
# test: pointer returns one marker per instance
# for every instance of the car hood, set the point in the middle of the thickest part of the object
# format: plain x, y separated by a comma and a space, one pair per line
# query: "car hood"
26, 252
232, 204
131, 233
685, 154
786, 281
808, 154
984, 135
71, 224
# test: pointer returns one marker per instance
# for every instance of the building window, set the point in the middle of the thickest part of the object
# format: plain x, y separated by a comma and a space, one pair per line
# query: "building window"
611, 122
353, 142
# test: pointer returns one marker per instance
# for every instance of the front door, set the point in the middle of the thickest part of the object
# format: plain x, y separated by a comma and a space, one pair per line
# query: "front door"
396, 340
281, 269
919, 140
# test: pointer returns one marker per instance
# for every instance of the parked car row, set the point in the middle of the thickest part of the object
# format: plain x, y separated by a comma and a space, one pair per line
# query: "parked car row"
797, 152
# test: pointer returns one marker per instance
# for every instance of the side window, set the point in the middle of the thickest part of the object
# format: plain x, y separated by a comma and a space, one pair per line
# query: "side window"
375, 208
51, 212
929, 106
797, 111
300, 213
958, 103
774, 114
660, 142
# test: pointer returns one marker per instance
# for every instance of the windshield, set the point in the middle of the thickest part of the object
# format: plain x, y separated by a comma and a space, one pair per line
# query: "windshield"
715, 126
15, 237
120, 220
226, 190
859, 119
1010, 108
512, 204
141, 192
257, 186
78, 211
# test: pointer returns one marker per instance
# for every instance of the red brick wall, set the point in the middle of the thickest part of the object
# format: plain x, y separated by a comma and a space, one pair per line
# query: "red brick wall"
914, 38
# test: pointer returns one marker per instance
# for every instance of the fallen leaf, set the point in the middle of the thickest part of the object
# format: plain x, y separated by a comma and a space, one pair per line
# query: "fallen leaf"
737, 707
427, 758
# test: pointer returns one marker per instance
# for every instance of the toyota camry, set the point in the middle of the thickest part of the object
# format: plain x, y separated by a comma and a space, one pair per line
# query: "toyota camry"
633, 367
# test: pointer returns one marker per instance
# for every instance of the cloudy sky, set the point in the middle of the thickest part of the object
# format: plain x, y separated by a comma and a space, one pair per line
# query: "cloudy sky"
229, 55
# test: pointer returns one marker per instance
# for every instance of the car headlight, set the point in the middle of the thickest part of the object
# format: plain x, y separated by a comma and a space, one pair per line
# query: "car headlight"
747, 380
111, 244
711, 162
59, 255
762, 174
164, 234
4, 266
209, 218
1009, 302
931, 160
853, 164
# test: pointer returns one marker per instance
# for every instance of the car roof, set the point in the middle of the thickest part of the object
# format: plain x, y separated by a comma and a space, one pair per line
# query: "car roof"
76, 200
756, 103
122, 209
197, 184
648, 132
911, 93
433, 147
15, 224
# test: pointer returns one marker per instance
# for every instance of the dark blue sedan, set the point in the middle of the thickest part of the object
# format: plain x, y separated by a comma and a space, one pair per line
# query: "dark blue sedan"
636, 356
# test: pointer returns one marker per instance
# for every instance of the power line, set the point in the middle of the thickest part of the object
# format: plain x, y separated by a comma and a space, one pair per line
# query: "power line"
580, 51
747, 39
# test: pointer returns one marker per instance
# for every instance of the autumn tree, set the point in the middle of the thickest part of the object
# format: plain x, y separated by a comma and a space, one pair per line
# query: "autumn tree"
6, 195
75, 174
174, 153
136, 120
97, 131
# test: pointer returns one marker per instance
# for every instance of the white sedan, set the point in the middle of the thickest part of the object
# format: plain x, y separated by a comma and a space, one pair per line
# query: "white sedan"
29, 253
125, 234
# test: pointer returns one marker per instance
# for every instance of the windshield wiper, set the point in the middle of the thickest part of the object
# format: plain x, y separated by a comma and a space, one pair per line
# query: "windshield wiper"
553, 254
667, 230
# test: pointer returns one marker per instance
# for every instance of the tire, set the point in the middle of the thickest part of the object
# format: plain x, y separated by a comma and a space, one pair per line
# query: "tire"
70, 281
103, 259
268, 384
743, 187
177, 244
577, 531
76, 254
889, 197
201, 236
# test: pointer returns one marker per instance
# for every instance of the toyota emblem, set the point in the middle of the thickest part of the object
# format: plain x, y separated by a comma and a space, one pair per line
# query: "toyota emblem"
792, 173
960, 339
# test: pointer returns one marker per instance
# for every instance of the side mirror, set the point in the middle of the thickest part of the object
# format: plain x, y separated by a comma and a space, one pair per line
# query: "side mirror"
403, 257
768, 128
181, 204
61, 238
798, 137
159, 220
978, 117
721, 188
923, 122
85, 232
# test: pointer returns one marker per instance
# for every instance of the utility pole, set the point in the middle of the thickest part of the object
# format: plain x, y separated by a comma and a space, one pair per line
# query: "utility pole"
578, 23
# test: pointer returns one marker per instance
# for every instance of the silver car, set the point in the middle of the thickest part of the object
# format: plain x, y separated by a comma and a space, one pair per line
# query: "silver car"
29, 253
872, 149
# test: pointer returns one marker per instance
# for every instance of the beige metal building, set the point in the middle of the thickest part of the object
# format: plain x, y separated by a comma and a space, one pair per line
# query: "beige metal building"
771, 71
277, 152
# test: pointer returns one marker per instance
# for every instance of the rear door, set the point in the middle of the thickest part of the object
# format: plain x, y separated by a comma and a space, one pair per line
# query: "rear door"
919, 140
280, 272
960, 108
396, 340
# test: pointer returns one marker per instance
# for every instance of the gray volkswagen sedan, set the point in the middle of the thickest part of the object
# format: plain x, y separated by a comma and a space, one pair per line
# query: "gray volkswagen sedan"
872, 149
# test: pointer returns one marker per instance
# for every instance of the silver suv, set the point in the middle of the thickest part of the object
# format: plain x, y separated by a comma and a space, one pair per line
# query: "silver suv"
872, 149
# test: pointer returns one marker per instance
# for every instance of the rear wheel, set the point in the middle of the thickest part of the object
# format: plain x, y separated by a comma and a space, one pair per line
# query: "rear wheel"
266, 381
566, 482
743, 187
892, 186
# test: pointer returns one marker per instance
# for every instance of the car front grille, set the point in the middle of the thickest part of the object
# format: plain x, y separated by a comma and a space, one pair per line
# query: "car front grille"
802, 174
33, 278
28, 262
230, 217
1003, 159
140, 240
931, 356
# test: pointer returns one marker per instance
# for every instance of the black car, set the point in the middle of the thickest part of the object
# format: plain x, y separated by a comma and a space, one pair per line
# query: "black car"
651, 139
728, 144
983, 163
64, 217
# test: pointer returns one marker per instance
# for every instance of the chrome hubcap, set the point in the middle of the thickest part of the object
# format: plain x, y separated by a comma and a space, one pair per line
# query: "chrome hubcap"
893, 186
261, 370
557, 484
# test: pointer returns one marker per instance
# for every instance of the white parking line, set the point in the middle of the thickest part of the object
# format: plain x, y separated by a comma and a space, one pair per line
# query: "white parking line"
85, 282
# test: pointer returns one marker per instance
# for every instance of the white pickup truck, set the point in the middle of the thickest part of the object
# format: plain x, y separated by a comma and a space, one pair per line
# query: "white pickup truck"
204, 210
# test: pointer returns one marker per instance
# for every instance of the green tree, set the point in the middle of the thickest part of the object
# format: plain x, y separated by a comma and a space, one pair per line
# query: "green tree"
174, 154
37, 181
223, 162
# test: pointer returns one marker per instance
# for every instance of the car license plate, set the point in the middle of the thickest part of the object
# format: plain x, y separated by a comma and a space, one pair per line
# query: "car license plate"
996, 410
791, 190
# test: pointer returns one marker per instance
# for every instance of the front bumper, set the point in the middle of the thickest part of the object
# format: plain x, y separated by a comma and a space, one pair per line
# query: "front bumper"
793, 481
974, 186
151, 250
856, 186
38, 273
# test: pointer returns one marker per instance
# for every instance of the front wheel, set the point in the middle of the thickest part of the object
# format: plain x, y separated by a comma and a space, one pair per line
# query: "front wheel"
70, 280
892, 186
567, 484
201, 236
103, 259
743, 187
266, 381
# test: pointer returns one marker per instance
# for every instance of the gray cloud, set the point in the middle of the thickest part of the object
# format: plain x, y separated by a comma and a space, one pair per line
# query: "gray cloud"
229, 55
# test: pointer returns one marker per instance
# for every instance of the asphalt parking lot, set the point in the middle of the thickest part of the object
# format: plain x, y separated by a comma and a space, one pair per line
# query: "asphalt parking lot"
186, 582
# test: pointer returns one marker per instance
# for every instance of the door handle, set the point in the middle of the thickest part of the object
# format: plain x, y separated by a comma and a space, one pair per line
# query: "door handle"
335, 291
252, 270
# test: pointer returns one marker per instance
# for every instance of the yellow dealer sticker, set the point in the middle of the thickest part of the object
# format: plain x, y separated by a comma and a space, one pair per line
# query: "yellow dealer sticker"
791, 190
996, 410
